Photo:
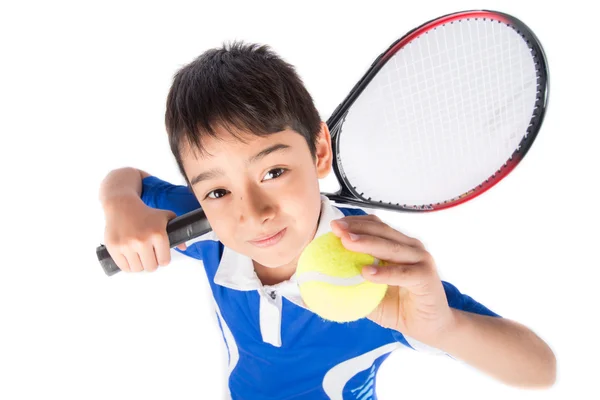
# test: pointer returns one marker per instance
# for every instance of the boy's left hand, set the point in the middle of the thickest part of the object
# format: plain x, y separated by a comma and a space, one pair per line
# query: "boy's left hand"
415, 303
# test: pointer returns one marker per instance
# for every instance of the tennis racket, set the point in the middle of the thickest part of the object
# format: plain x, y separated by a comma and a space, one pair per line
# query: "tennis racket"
441, 116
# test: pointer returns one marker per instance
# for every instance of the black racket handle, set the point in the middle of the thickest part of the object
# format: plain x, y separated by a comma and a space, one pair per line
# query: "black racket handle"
180, 230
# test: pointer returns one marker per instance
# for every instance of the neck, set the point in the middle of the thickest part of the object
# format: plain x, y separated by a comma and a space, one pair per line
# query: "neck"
273, 276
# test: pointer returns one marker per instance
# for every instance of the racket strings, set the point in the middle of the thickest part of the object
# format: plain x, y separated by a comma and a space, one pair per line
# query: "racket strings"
443, 115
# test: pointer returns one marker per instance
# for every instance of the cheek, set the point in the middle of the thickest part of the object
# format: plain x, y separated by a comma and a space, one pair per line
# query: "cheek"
304, 202
222, 225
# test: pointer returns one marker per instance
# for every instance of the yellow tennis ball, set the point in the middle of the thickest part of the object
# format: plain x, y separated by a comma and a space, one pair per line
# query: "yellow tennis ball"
330, 280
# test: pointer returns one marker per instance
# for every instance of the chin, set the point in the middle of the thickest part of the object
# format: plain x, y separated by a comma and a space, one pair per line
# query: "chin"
276, 258
272, 262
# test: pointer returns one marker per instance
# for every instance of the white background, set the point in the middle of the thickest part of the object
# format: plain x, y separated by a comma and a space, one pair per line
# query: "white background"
82, 91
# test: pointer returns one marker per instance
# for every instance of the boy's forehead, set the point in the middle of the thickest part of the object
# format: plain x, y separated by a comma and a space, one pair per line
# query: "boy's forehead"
228, 144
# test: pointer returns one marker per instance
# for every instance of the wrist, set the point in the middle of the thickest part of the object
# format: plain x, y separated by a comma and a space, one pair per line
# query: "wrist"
121, 200
448, 330
120, 186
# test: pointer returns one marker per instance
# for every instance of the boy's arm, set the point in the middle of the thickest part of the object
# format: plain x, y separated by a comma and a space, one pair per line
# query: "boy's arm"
129, 183
135, 234
418, 304
483, 339
499, 347
120, 185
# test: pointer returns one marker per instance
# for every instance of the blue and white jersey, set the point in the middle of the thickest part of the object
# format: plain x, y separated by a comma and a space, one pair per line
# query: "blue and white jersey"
277, 348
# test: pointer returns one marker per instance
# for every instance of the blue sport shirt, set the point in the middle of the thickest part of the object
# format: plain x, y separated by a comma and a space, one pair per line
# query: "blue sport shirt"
277, 348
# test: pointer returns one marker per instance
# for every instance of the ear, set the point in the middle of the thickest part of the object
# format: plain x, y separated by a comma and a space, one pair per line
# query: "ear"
323, 152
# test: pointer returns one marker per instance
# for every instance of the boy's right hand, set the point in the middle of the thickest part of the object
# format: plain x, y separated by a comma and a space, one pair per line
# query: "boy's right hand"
136, 235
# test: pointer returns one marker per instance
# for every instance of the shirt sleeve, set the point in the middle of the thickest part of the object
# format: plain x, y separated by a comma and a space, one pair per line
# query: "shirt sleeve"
157, 193
463, 302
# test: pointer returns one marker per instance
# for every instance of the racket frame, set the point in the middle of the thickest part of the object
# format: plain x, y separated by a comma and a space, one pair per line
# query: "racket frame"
347, 194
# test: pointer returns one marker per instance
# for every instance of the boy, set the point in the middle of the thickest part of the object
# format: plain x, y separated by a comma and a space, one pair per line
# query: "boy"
251, 146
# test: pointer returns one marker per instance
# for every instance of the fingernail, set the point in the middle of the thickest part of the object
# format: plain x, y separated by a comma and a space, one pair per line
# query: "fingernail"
370, 269
353, 237
341, 224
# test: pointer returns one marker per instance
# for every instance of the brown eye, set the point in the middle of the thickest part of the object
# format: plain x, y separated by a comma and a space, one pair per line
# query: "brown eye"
274, 173
216, 194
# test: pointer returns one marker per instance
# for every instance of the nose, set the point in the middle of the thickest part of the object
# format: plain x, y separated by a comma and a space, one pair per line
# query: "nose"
256, 207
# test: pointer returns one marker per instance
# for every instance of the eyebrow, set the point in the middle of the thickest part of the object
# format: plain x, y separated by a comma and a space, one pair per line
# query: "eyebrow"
216, 172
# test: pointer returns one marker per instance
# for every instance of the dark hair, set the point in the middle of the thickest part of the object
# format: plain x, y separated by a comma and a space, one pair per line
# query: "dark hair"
242, 86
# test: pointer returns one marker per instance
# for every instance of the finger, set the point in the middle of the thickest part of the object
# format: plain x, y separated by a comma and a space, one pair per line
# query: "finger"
376, 227
134, 261
162, 250
384, 249
373, 227
341, 225
182, 246
148, 258
121, 262
342, 222
407, 276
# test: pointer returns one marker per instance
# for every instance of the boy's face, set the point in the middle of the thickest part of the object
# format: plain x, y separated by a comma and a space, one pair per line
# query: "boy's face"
261, 195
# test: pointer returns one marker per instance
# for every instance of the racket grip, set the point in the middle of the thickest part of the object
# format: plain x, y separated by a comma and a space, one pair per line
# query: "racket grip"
179, 229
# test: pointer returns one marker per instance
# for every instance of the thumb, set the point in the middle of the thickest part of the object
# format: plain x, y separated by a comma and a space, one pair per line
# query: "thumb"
169, 214
182, 246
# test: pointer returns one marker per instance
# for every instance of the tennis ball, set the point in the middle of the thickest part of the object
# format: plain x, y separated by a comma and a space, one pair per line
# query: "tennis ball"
330, 280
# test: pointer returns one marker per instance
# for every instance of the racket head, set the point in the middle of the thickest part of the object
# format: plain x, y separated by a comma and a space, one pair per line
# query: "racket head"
518, 34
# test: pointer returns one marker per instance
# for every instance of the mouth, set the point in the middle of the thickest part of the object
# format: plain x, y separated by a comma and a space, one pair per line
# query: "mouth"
267, 241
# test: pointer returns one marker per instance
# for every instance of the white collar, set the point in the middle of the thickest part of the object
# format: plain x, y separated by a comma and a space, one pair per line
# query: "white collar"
236, 271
